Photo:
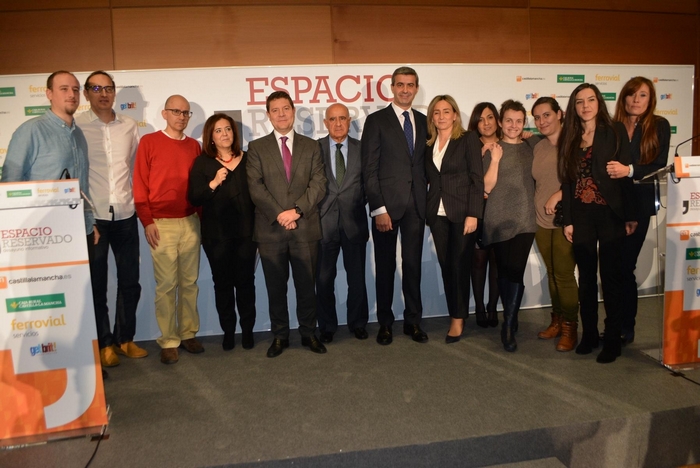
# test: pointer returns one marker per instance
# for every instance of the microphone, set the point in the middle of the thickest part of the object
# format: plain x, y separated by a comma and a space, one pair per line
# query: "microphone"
684, 142
66, 173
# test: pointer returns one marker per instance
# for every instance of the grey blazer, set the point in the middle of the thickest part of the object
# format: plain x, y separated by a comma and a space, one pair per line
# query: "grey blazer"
344, 205
272, 194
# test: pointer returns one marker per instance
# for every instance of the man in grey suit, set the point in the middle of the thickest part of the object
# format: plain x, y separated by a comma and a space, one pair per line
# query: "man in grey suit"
393, 143
286, 181
344, 225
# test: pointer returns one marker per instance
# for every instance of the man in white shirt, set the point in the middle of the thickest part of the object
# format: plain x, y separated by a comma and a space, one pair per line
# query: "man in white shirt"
112, 141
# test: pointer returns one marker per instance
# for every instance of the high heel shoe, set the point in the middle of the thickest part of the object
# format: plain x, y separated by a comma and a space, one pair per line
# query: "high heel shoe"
449, 339
492, 316
481, 319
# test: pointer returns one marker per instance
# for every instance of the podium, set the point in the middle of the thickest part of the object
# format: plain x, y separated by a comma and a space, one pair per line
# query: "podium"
50, 375
680, 341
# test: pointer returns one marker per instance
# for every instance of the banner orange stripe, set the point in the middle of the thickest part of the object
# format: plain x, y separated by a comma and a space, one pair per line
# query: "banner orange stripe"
43, 265
682, 224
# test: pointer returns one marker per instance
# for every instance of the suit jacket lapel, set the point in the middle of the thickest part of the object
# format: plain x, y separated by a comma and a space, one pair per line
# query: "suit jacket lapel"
398, 129
275, 155
353, 157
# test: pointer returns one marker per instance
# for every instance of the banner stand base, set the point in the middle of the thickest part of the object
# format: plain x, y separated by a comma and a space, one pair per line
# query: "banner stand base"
93, 433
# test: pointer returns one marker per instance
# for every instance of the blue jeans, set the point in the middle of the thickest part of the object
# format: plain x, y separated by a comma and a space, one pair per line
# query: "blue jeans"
123, 237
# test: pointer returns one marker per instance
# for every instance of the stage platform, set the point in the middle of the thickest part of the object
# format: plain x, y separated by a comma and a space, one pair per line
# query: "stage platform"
404, 405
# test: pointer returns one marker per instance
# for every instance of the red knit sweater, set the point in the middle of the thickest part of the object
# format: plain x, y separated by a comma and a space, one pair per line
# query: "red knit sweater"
161, 175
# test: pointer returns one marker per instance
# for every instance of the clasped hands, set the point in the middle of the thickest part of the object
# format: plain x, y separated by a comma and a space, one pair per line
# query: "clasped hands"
288, 219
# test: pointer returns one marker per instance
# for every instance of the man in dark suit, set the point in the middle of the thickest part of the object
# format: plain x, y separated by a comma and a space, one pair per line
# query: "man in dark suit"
286, 180
393, 143
344, 225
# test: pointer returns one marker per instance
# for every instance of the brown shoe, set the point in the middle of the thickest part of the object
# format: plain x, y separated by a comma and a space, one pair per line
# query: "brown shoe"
131, 350
569, 336
168, 355
192, 346
553, 330
108, 356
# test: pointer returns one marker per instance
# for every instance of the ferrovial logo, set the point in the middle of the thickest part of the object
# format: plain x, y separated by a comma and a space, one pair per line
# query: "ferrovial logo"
665, 97
43, 348
37, 324
666, 112
127, 105
37, 91
29, 303
47, 191
606, 78
529, 96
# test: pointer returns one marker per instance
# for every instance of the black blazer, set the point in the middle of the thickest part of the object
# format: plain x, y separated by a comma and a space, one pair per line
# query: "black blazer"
273, 194
459, 182
227, 211
344, 205
609, 144
389, 171
644, 192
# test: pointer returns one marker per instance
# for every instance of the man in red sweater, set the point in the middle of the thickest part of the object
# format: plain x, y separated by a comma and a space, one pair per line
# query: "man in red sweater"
163, 162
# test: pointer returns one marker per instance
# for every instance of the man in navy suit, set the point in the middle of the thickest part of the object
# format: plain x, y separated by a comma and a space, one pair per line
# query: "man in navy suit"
344, 225
286, 181
393, 143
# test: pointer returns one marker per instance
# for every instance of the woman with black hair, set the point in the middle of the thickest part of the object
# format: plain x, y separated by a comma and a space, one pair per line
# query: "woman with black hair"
598, 212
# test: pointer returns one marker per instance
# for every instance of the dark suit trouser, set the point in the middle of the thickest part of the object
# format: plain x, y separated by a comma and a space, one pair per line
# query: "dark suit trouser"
276, 257
354, 258
597, 226
232, 263
454, 253
631, 247
412, 228
123, 237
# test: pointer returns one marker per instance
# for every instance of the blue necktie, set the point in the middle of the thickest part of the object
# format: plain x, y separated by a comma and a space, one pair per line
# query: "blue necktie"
408, 131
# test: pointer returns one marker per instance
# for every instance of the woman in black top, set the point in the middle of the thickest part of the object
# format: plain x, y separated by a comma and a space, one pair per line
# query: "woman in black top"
219, 185
649, 136
598, 212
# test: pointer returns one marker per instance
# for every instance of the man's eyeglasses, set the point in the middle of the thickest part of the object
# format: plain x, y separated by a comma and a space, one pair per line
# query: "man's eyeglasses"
177, 112
98, 89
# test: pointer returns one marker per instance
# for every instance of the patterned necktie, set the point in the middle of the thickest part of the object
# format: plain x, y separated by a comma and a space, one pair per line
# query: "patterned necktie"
287, 158
339, 164
408, 131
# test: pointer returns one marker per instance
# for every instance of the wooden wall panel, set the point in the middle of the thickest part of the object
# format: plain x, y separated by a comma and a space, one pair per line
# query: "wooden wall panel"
447, 34
172, 3
578, 36
31, 5
667, 6
221, 36
45, 41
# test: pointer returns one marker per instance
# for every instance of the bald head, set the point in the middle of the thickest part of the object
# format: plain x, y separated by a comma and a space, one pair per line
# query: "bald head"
337, 122
177, 115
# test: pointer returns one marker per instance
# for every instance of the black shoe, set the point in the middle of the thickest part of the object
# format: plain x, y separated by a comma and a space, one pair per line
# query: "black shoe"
415, 332
277, 347
314, 344
248, 341
360, 333
627, 339
451, 339
481, 319
229, 342
492, 316
587, 344
384, 337
326, 337
508, 337
607, 355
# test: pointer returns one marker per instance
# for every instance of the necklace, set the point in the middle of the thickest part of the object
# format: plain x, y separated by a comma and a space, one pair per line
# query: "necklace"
225, 161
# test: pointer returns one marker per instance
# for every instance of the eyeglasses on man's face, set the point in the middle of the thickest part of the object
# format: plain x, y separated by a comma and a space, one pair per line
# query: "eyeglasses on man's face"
99, 89
178, 112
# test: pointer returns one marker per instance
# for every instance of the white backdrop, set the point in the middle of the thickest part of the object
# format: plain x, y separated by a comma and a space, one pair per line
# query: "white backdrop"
364, 89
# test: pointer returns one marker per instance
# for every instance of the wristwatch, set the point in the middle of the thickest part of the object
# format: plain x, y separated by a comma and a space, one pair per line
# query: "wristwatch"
299, 212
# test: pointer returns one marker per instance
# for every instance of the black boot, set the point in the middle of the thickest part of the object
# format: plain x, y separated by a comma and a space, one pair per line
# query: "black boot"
589, 341
612, 348
511, 297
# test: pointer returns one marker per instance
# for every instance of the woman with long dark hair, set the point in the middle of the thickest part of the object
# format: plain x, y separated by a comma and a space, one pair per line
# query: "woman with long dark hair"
649, 137
598, 212
218, 184
455, 202
484, 122
509, 217
555, 250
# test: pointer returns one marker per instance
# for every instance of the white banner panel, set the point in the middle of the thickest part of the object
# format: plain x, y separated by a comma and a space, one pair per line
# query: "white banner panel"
241, 92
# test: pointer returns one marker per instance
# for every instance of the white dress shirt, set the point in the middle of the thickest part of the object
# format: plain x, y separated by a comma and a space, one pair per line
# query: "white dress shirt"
438, 154
111, 151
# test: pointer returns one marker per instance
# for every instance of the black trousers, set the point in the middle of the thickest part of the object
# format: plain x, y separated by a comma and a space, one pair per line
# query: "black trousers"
599, 235
123, 238
412, 229
512, 255
276, 258
631, 247
454, 253
232, 263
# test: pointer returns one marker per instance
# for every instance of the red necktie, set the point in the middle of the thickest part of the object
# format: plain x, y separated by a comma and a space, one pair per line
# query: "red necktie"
287, 158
